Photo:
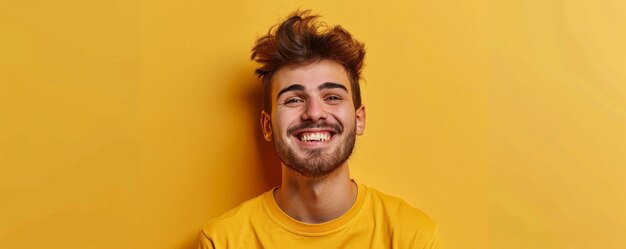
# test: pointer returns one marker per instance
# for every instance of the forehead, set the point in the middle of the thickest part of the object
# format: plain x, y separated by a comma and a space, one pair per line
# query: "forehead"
310, 75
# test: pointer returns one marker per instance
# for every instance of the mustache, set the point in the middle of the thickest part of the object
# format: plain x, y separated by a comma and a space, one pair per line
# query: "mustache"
310, 125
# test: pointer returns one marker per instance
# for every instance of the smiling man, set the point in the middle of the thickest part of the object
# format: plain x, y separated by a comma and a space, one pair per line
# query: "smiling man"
312, 113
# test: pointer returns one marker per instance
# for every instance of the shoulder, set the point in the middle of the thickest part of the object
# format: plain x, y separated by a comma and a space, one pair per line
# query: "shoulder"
395, 207
235, 219
407, 223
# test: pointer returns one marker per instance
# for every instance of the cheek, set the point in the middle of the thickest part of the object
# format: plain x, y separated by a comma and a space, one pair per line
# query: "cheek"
282, 121
345, 118
345, 115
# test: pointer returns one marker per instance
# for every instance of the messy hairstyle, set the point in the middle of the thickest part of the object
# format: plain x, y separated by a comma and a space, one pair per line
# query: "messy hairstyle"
301, 39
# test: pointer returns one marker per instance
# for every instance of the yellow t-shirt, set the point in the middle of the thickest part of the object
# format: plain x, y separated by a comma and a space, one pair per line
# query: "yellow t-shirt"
376, 220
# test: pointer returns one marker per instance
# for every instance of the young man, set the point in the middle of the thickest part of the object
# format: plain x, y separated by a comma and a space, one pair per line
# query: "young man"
312, 113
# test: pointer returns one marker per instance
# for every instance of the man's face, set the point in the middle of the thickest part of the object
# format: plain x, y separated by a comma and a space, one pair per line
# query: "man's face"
313, 122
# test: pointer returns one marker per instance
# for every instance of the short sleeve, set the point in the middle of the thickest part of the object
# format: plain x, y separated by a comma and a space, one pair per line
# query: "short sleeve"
432, 243
204, 242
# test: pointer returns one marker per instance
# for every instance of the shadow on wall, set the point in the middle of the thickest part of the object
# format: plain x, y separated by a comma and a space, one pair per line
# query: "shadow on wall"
246, 88
268, 160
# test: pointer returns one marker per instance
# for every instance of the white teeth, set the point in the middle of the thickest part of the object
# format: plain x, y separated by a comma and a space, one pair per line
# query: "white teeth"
315, 137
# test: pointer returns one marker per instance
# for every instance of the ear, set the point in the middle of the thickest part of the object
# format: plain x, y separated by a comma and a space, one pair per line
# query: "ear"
266, 126
360, 120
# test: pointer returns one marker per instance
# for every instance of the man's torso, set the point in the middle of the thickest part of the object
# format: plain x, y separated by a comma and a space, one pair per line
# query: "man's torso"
376, 220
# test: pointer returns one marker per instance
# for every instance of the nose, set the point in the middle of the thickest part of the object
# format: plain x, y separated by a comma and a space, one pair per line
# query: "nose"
314, 111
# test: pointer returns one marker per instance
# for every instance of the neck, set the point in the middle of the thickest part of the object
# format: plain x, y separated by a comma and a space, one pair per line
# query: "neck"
316, 199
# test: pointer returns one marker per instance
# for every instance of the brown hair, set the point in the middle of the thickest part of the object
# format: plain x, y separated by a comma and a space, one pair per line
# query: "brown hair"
301, 38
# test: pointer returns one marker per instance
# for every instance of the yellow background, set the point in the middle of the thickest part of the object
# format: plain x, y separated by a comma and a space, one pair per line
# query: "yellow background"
129, 124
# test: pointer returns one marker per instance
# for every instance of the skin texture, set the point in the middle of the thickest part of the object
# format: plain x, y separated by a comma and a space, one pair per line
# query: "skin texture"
312, 98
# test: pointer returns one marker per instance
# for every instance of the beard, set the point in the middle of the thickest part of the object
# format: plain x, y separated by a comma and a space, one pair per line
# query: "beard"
316, 162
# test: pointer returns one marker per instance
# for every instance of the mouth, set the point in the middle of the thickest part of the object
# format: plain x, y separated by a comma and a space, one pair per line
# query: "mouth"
309, 134
314, 136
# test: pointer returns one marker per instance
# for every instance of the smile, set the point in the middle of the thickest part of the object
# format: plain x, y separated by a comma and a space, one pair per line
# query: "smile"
314, 136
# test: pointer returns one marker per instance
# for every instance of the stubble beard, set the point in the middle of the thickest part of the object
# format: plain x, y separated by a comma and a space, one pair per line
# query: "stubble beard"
316, 163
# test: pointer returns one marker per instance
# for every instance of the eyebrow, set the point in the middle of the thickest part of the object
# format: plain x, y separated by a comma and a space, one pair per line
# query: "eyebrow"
298, 87
294, 87
331, 85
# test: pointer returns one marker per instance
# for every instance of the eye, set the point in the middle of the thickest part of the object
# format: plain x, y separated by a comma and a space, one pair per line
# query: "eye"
293, 101
333, 98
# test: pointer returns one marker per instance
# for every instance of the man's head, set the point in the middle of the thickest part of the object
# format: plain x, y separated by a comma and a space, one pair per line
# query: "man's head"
312, 106
302, 39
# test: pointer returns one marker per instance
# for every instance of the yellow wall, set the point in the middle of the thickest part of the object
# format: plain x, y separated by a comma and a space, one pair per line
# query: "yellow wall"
128, 124
557, 124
